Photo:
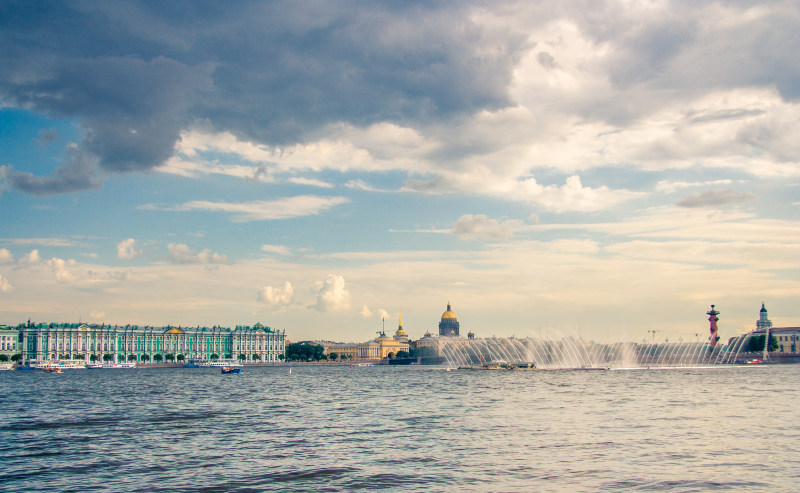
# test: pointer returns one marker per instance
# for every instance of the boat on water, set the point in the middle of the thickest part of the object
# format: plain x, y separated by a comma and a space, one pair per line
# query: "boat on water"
230, 369
222, 363
52, 370
96, 366
6, 366
61, 365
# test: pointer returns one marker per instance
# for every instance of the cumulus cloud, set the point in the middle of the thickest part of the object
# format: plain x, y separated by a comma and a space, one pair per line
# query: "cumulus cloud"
276, 296
332, 295
5, 286
180, 253
480, 226
61, 270
714, 198
365, 312
97, 315
5, 256
126, 249
31, 258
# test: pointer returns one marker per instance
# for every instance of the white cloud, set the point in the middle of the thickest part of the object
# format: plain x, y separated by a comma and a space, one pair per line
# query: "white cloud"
667, 186
5, 286
262, 210
383, 314
97, 315
279, 297
480, 226
61, 270
5, 256
572, 196
276, 249
365, 312
714, 198
180, 253
332, 295
310, 182
126, 249
31, 258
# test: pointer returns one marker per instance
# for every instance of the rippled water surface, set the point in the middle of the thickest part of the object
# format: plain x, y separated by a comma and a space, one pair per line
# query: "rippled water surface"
401, 428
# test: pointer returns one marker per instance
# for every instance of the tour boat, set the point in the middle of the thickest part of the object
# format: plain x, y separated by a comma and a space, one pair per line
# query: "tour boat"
95, 366
6, 366
219, 363
230, 369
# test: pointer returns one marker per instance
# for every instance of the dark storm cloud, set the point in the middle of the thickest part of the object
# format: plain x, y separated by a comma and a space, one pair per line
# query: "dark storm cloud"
78, 172
137, 73
713, 198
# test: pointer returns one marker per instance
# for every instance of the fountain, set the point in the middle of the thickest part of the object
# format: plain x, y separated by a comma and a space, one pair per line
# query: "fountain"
569, 352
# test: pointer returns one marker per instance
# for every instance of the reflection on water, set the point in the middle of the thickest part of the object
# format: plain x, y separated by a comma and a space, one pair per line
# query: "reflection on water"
400, 428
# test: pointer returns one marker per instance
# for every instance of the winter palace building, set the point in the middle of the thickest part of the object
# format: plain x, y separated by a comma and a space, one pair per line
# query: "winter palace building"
43, 342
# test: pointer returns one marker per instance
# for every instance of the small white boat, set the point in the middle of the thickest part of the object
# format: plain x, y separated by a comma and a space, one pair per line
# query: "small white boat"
6, 366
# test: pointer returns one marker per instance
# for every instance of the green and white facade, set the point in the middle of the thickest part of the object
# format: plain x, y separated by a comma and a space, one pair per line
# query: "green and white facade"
9, 343
47, 342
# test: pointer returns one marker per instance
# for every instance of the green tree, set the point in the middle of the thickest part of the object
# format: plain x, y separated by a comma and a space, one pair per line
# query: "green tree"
93, 357
157, 357
16, 357
170, 357
228, 356
242, 357
121, 358
181, 357
756, 343
131, 357
256, 357
333, 356
108, 357
402, 354
145, 357
3, 357
281, 356
215, 356
303, 351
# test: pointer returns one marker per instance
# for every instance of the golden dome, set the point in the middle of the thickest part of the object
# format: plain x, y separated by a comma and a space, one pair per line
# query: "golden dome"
448, 313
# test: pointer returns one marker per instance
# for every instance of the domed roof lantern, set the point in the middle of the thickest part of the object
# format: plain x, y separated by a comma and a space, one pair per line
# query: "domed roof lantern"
448, 314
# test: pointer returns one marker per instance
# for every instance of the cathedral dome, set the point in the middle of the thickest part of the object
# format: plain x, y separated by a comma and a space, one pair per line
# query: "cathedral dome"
448, 314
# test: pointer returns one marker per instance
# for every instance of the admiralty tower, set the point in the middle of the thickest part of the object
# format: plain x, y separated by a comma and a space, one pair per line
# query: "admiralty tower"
449, 323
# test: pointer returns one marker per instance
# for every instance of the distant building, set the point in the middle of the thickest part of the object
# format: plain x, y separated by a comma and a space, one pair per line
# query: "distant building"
9, 343
763, 322
788, 337
449, 326
45, 342
384, 346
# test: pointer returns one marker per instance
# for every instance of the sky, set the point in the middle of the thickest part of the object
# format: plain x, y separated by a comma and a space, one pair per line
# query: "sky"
602, 169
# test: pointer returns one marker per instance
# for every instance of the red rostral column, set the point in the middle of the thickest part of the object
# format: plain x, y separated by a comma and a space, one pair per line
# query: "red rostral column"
713, 319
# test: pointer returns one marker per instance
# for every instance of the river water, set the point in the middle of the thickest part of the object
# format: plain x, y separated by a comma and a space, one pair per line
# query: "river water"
401, 429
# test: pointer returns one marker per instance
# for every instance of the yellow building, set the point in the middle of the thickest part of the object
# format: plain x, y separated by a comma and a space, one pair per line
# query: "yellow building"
384, 346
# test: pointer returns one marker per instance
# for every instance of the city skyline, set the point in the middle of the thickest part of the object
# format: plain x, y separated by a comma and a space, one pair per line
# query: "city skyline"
602, 170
